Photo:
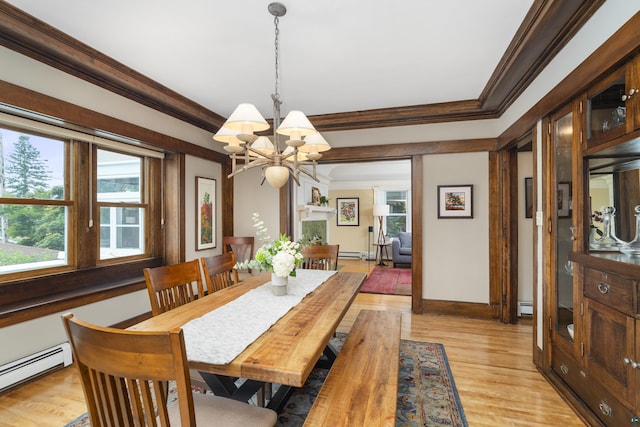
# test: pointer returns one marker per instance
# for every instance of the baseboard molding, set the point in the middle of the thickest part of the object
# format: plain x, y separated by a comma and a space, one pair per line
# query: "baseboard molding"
458, 308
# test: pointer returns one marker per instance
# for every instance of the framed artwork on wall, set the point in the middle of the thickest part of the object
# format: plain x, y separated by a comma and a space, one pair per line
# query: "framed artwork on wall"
528, 197
205, 213
455, 201
348, 211
564, 200
315, 196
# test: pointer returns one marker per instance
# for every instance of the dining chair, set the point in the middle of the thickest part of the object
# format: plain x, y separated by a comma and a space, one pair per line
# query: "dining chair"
219, 272
125, 377
171, 286
242, 247
320, 257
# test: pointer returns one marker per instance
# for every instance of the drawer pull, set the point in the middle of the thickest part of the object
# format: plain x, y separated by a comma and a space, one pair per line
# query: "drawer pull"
564, 369
603, 288
633, 363
605, 409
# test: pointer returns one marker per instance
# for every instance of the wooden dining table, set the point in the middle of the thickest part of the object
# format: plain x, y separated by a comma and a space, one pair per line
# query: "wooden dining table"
286, 353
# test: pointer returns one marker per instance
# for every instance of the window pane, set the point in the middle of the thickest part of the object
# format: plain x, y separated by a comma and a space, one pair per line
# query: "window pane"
32, 166
396, 224
32, 237
118, 177
121, 232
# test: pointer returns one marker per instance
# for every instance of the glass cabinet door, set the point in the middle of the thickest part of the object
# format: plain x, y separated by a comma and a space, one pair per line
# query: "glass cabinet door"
607, 109
563, 143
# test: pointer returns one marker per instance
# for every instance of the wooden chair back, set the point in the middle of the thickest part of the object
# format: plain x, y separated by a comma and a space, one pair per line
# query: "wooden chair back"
219, 272
321, 257
242, 247
171, 286
124, 374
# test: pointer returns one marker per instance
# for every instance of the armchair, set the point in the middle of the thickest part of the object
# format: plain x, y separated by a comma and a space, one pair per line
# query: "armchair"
401, 249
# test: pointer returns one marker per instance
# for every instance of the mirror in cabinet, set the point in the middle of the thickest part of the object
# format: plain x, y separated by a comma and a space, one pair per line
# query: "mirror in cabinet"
563, 167
614, 186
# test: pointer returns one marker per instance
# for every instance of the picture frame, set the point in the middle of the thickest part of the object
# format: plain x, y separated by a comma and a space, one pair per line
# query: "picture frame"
563, 202
528, 197
205, 213
315, 196
348, 211
455, 201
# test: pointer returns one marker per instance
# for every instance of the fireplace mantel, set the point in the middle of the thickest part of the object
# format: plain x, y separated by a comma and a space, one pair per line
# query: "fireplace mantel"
315, 213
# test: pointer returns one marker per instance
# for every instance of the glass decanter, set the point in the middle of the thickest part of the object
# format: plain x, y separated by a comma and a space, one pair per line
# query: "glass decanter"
633, 247
608, 241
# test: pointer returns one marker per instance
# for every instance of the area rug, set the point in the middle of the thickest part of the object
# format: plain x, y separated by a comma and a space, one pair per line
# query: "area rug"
427, 394
391, 281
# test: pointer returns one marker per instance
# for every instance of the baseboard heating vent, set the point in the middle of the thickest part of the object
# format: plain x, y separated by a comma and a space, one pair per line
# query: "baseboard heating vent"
347, 254
22, 370
525, 308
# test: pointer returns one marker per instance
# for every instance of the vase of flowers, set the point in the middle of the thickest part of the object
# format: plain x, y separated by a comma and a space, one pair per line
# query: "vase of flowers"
280, 257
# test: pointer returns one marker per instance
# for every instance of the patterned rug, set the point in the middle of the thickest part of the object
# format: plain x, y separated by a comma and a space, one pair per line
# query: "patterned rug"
390, 281
427, 394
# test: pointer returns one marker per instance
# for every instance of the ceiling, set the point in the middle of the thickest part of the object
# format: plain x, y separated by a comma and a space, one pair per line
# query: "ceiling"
335, 55
349, 65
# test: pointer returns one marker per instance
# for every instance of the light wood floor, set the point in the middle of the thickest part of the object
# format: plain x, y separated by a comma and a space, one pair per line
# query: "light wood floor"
491, 364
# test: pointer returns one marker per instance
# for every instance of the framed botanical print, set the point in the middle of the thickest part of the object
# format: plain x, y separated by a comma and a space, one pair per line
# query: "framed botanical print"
205, 213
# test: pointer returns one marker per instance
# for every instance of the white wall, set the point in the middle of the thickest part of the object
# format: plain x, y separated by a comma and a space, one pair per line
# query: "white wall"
456, 251
194, 167
525, 231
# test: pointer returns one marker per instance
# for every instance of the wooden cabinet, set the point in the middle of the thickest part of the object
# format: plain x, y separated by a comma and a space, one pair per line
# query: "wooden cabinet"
613, 105
596, 152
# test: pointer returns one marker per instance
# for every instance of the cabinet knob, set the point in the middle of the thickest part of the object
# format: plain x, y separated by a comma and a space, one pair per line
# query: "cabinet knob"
564, 369
605, 409
603, 288
632, 91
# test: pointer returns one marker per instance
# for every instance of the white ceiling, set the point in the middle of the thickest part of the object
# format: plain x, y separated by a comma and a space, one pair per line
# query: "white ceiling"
335, 55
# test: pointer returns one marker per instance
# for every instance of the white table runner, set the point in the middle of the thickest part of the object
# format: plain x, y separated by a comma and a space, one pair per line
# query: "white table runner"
221, 335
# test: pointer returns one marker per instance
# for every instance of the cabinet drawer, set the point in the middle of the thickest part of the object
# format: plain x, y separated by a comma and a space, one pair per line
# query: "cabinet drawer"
606, 407
609, 289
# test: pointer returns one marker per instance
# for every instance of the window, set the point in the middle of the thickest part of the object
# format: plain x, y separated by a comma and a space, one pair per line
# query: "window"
397, 220
120, 200
48, 205
34, 207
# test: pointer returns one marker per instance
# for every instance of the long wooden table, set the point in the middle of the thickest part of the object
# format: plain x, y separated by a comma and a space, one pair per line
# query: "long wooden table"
288, 351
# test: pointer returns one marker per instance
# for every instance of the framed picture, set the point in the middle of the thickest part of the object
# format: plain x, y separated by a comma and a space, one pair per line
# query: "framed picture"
205, 213
564, 200
348, 211
315, 196
455, 201
528, 197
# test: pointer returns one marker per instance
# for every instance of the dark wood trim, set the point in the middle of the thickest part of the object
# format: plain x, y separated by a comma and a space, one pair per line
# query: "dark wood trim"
403, 151
90, 121
227, 199
70, 289
546, 29
623, 44
417, 200
174, 213
457, 308
23, 33
495, 235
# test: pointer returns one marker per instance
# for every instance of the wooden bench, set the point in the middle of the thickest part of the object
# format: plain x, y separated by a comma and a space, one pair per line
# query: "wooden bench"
361, 388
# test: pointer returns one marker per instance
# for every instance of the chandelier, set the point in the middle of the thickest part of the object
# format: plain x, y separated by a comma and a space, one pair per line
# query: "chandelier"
302, 148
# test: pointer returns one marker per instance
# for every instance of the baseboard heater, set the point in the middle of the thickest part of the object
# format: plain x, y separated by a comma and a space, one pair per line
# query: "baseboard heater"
525, 308
22, 370
348, 254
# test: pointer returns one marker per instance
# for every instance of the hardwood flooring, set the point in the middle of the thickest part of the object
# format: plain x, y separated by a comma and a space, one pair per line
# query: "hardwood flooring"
491, 364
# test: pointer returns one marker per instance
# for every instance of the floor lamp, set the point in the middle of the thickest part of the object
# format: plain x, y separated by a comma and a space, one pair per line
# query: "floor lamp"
381, 211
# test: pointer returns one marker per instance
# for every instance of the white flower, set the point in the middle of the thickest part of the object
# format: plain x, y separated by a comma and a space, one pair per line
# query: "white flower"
283, 263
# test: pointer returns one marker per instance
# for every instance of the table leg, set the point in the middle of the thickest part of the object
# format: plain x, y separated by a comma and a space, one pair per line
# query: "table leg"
225, 386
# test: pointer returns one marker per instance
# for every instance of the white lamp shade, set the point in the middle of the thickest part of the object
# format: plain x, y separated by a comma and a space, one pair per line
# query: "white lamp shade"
315, 144
263, 145
227, 136
380, 210
296, 123
276, 176
301, 156
246, 118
